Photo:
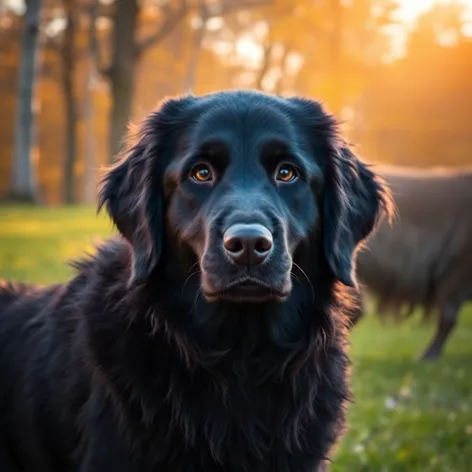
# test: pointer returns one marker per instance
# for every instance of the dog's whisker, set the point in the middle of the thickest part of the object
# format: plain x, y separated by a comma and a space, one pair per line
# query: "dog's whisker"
295, 276
199, 292
189, 277
308, 280
193, 266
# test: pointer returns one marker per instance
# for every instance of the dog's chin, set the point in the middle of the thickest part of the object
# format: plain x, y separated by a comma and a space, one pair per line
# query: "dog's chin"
247, 290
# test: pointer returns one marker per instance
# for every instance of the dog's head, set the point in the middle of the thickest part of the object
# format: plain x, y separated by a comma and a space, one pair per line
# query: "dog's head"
246, 186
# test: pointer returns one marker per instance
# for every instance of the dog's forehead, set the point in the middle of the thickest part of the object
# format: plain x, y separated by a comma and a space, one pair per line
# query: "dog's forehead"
244, 120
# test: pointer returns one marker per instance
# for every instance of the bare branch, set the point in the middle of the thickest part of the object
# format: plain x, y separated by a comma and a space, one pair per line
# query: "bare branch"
49, 43
173, 17
226, 7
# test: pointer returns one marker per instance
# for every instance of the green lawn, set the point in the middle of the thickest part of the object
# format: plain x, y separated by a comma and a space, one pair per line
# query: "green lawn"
407, 417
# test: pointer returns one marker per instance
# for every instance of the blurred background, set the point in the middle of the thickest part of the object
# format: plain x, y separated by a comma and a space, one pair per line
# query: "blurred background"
399, 72
74, 73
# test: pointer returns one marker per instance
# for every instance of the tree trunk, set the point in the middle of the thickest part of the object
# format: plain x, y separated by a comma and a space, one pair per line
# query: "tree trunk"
90, 174
196, 48
279, 85
337, 100
122, 87
265, 66
24, 185
127, 51
68, 76
121, 74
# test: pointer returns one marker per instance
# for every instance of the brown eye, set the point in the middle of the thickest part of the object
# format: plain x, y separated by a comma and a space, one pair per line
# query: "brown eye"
201, 173
286, 173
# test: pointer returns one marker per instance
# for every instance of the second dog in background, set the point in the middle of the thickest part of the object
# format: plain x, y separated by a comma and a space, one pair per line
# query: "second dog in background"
424, 259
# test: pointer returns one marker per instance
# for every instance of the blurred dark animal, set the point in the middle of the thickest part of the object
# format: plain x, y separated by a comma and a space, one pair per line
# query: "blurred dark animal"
424, 259
185, 345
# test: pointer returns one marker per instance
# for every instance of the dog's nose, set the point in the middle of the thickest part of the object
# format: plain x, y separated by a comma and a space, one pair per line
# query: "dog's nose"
248, 244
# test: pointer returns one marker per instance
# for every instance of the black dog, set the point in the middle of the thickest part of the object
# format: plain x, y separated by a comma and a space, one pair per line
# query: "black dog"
187, 345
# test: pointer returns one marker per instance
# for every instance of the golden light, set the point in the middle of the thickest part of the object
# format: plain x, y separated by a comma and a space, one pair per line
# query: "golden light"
410, 10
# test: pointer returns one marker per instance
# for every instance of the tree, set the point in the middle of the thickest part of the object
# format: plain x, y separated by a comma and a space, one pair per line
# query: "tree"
425, 122
337, 18
265, 65
24, 184
442, 23
349, 41
196, 45
127, 48
91, 85
68, 73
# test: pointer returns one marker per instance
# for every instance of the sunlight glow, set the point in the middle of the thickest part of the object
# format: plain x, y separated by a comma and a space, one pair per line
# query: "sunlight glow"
408, 13
410, 10
249, 51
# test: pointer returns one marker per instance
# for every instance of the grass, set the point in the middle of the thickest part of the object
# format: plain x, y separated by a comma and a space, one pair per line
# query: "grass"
408, 417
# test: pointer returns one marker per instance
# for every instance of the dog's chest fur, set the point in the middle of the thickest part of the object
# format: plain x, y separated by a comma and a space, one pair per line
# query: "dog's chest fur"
234, 412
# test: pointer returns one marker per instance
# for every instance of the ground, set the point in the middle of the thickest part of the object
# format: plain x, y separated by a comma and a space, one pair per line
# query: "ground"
408, 417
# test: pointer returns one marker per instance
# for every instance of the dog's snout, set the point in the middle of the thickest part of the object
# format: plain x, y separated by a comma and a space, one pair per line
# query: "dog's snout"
248, 244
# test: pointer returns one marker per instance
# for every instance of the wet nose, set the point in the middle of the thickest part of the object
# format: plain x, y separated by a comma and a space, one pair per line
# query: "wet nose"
248, 244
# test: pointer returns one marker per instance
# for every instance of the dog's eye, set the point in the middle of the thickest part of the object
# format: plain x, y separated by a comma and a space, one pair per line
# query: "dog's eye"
201, 173
286, 173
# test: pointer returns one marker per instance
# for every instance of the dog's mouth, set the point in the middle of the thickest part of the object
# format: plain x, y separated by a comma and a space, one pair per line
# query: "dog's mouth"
247, 290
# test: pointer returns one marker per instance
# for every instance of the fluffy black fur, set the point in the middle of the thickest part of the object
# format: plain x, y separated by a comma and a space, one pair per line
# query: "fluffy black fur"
145, 360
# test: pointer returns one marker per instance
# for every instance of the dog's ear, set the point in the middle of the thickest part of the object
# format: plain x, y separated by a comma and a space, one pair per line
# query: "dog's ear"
354, 200
132, 190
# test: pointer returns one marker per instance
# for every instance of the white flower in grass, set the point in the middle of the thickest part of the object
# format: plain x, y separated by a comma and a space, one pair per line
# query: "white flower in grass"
390, 403
359, 448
